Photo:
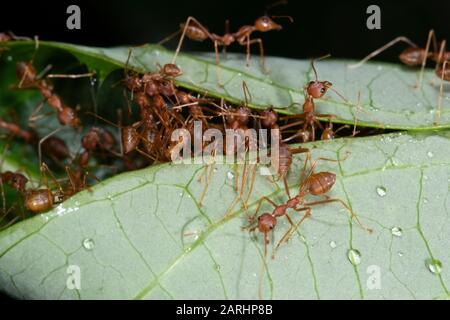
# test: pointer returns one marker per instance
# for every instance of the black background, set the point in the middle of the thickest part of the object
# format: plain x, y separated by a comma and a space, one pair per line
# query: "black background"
320, 27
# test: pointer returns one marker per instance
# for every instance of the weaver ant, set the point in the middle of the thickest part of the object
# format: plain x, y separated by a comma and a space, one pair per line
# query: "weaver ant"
54, 147
314, 90
315, 184
413, 55
194, 30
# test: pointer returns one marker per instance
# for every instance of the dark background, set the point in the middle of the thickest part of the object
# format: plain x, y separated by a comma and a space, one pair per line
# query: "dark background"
320, 27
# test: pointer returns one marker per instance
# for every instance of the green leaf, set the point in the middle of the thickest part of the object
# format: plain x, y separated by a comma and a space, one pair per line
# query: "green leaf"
388, 98
143, 235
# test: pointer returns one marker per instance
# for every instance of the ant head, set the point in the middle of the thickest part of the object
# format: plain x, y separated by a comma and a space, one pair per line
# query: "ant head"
171, 70
18, 181
166, 88
133, 82
243, 115
317, 89
269, 118
91, 140
266, 222
328, 133
265, 23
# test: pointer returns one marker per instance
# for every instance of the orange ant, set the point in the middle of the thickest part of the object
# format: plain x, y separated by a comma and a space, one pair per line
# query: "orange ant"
314, 90
54, 147
194, 30
315, 184
413, 55
96, 138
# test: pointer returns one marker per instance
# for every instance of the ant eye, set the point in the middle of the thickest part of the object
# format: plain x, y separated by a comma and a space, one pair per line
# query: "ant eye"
322, 90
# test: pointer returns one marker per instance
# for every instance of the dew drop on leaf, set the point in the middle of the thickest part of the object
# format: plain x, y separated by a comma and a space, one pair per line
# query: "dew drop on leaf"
354, 256
381, 191
333, 244
434, 265
396, 231
88, 244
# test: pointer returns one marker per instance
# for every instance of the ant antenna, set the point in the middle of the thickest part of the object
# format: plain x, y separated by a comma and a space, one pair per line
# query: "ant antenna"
318, 59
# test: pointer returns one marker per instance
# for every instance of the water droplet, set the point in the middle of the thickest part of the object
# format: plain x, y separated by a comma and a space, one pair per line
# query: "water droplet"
215, 170
400, 254
381, 191
379, 68
397, 231
188, 249
217, 267
9, 58
425, 200
434, 265
430, 154
93, 81
354, 256
419, 104
333, 244
88, 244
230, 175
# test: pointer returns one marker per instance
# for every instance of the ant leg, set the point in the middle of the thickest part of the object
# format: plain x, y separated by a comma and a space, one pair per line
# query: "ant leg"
266, 243
352, 214
252, 183
425, 58
209, 169
264, 198
169, 37
72, 76
145, 154
216, 52
441, 92
43, 140
261, 52
292, 228
293, 124
46, 170
381, 49
186, 25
